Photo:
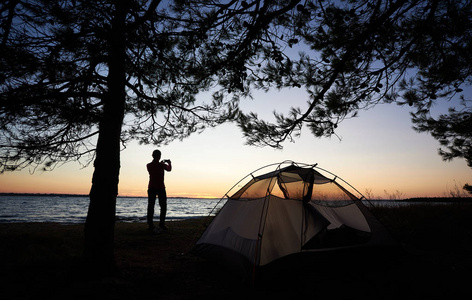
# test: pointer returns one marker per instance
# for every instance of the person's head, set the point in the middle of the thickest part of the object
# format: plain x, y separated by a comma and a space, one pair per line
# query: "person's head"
156, 154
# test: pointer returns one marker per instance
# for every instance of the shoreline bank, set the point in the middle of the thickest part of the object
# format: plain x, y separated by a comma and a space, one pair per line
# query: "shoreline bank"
42, 260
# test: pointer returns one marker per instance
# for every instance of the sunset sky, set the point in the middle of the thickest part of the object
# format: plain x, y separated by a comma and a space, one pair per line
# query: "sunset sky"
379, 154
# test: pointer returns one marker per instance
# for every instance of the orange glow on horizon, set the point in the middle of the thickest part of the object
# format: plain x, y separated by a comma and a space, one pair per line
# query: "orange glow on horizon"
62, 182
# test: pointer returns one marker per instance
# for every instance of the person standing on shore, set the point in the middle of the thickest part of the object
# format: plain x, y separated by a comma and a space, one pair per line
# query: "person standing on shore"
156, 188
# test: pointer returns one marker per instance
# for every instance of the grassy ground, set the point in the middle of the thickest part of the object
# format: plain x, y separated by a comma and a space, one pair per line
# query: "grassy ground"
43, 261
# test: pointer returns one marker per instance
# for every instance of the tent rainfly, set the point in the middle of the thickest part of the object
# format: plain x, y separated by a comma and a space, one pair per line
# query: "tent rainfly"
293, 209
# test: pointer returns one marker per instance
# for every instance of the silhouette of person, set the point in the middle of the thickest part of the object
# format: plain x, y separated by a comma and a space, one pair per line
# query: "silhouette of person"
157, 188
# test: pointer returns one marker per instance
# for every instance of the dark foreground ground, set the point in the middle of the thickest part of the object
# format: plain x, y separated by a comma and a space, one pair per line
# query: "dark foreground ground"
43, 261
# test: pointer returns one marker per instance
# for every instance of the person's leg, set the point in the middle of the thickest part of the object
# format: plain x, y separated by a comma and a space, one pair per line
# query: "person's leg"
162, 194
150, 208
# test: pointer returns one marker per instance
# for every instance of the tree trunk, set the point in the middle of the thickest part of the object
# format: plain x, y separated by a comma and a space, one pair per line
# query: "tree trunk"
100, 223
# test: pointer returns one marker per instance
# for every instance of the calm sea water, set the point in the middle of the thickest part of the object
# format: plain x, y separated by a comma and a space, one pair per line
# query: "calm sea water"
68, 209
73, 209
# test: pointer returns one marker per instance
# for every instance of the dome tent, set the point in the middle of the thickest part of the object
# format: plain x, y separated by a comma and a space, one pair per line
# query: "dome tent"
294, 208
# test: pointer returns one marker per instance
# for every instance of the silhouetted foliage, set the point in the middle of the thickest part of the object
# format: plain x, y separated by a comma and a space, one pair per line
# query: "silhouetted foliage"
365, 53
79, 79
468, 188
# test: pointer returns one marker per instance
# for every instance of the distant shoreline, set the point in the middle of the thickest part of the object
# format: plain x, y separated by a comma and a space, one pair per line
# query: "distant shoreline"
438, 199
86, 195
415, 199
44, 194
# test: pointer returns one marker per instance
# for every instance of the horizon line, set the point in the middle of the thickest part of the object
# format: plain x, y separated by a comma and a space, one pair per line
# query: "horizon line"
216, 198
87, 195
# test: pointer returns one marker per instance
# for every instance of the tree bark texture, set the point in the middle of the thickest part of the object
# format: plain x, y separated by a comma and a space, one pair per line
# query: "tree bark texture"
100, 223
